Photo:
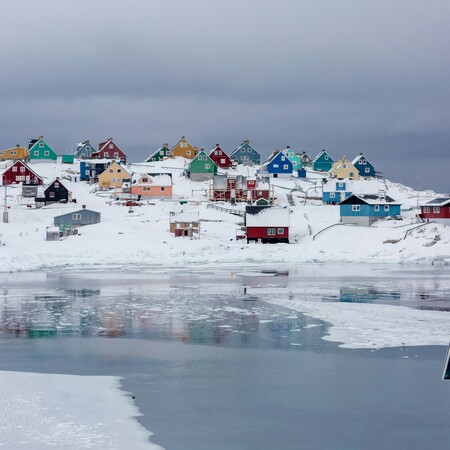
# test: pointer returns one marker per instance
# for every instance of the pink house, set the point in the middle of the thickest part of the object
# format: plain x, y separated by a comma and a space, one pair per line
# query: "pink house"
151, 185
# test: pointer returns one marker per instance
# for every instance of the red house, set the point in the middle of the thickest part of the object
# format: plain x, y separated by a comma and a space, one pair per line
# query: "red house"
109, 150
239, 189
18, 172
438, 210
267, 224
220, 158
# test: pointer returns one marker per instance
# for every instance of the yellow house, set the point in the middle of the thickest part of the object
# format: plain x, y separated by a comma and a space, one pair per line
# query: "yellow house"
184, 149
112, 177
14, 153
344, 169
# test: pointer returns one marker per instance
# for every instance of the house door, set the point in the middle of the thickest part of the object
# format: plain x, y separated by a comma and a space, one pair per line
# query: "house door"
27, 179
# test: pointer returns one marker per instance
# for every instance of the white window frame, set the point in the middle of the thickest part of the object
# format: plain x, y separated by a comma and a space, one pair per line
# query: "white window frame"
280, 231
46, 153
285, 166
332, 195
76, 216
436, 209
207, 166
356, 208
271, 231
386, 207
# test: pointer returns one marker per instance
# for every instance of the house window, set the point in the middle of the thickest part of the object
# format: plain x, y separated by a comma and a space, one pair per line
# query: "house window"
344, 166
56, 185
356, 207
88, 148
386, 207
14, 169
145, 180
119, 170
41, 145
51, 194
376, 208
285, 166
426, 209
363, 162
106, 154
207, 166
183, 144
163, 188
36, 153
111, 146
76, 216
222, 160
244, 158
46, 153
161, 152
146, 188
332, 195
275, 166
271, 231
340, 185
436, 209
22, 169
111, 171
283, 158
188, 152
326, 157
116, 154
280, 231
352, 174
13, 152
367, 170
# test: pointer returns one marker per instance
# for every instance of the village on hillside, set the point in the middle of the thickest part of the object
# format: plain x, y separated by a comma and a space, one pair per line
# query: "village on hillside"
289, 198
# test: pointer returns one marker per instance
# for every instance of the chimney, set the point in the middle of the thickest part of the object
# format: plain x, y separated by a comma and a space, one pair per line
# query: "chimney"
165, 145
287, 146
183, 137
247, 142
83, 206
217, 145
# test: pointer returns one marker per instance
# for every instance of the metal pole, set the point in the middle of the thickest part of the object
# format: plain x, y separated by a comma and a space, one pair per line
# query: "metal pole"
417, 193
5, 209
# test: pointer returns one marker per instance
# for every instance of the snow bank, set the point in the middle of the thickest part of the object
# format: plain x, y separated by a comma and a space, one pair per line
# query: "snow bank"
67, 411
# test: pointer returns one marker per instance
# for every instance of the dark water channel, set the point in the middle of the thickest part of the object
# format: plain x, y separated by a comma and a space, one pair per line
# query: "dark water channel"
213, 365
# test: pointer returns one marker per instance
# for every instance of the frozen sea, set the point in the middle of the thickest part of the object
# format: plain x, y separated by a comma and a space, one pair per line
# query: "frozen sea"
226, 359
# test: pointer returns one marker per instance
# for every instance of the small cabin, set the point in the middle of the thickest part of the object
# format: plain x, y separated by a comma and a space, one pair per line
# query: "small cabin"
151, 185
437, 210
335, 191
84, 150
113, 177
52, 234
184, 149
363, 166
15, 172
163, 152
77, 218
344, 169
39, 150
184, 224
294, 158
202, 167
267, 224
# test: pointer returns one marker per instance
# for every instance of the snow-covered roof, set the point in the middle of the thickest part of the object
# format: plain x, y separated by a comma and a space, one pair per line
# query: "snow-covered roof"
441, 201
184, 217
358, 157
268, 217
160, 179
372, 200
357, 187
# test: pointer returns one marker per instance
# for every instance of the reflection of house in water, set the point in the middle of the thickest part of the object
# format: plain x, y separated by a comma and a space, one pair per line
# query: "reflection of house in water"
13, 320
365, 295
112, 322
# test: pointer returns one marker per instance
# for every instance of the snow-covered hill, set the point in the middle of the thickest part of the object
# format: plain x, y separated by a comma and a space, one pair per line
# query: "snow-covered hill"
141, 237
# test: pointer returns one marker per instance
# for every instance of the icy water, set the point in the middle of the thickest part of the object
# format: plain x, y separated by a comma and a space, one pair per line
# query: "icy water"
213, 365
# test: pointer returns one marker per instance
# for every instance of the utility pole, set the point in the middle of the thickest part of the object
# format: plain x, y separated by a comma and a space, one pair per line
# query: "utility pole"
5, 209
417, 190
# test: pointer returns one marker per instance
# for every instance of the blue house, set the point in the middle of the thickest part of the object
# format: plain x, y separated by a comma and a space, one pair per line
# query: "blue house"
323, 162
245, 154
91, 169
367, 209
84, 150
77, 218
335, 191
363, 166
278, 164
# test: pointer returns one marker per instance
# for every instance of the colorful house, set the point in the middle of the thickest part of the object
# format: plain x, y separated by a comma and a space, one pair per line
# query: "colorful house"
220, 158
184, 149
267, 224
293, 158
344, 169
113, 177
245, 154
277, 165
335, 191
236, 189
363, 166
55, 192
437, 210
77, 218
323, 162
14, 172
202, 168
39, 150
163, 152
151, 185
14, 154
91, 169
109, 150
367, 209
305, 159
84, 150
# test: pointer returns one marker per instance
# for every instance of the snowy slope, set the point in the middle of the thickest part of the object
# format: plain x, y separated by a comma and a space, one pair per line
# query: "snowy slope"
141, 236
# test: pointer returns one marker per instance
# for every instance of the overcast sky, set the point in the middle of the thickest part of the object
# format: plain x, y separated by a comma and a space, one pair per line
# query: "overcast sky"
348, 76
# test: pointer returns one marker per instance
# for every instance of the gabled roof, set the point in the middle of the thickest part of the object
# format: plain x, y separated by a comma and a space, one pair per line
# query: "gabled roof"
358, 157
369, 200
158, 150
155, 179
323, 152
440, 201
78, 211
273, 156
247, 143
7, 165
217, 147
260, 216
183, 138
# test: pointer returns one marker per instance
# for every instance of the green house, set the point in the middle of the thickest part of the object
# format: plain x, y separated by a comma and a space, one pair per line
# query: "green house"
323, 162
202, 167
40, 150
160, 154
293, 158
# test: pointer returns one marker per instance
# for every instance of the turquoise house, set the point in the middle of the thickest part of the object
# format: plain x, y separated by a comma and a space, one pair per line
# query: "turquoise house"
323, 162
245, 154
40, 150
366, 209
363, 166
293, 158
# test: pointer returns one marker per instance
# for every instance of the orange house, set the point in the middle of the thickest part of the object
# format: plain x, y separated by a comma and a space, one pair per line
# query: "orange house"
152, 185
184, 149
14, 153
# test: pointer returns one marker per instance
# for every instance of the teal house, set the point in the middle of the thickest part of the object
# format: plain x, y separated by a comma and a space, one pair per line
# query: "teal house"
202, 167
323, 162
163, 152
246, 154
363, 166
293, 158
38, 149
